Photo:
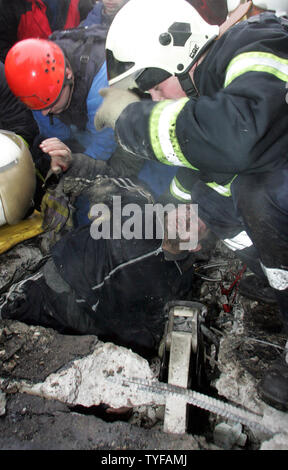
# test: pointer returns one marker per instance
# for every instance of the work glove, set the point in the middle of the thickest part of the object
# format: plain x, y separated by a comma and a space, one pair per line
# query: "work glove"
57, 213
115, 101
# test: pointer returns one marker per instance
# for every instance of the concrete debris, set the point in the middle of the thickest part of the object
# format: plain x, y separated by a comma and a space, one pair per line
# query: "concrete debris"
227, 436
34, 423
86, 382
47, 378
278, 442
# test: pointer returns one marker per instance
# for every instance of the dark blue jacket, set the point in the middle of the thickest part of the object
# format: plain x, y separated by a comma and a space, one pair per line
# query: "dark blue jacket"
95, 16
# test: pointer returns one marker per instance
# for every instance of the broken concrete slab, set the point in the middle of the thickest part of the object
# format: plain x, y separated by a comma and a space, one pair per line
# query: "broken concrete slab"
76, 370
78, 375
32, 354
33, 423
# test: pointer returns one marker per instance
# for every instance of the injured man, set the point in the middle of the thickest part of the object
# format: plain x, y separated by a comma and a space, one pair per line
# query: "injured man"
112, 286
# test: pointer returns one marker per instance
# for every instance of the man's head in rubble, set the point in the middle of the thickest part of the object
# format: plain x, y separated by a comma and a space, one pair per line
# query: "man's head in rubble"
39, 75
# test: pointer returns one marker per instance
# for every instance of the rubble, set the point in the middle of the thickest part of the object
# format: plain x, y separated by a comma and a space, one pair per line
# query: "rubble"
53, 386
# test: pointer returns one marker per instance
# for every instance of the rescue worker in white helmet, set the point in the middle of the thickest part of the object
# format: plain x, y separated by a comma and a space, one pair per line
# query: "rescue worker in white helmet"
222, 118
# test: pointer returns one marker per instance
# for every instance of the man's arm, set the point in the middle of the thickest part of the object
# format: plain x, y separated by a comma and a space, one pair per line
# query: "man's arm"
230, 132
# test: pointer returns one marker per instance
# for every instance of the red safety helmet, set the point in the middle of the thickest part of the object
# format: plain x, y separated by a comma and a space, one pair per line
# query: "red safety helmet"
35, 72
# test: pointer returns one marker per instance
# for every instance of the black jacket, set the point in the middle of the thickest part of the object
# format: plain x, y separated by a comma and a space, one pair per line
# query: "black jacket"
239, 122
84, 47
14, 116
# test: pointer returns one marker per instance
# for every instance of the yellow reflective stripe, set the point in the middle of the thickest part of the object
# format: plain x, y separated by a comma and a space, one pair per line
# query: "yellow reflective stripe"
178, 191
22, 138
256, 62
223, 190
162, 128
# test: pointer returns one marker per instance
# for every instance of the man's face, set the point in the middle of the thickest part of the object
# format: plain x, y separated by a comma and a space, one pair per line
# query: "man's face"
63, 100
169, 89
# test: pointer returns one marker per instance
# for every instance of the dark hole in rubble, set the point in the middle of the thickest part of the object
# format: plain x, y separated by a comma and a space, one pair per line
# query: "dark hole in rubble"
100, 411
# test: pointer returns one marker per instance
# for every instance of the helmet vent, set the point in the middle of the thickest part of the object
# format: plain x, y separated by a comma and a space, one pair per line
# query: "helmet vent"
165, 39
180, 32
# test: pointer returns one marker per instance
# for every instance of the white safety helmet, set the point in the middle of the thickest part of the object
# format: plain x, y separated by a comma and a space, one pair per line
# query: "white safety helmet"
279, 6
150, 40
17, 178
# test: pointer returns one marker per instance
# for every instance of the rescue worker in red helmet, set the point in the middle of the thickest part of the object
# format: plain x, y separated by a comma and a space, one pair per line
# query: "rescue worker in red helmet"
222, 118
23, 164
65, 97
59, 80
38, 80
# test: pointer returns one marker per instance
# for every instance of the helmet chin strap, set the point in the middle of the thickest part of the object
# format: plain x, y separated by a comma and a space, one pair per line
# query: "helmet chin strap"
185, 79
187, 85
70, 83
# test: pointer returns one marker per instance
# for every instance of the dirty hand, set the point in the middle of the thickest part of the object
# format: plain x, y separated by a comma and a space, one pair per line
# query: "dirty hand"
61, 156
183, 230
114, 102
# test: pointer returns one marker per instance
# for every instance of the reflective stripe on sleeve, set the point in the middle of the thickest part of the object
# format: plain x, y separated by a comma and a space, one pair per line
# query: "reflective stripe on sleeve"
256, 62
179, 192
239, 242
162, 127
223, 190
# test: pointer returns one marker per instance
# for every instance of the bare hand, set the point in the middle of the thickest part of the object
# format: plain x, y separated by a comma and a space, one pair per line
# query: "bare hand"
61, 155
183, 230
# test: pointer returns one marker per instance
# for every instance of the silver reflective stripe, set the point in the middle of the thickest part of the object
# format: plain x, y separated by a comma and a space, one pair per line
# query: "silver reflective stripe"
278, 278
223, 190
179, 192
257, 62
162, 127
167, 115
239, 242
